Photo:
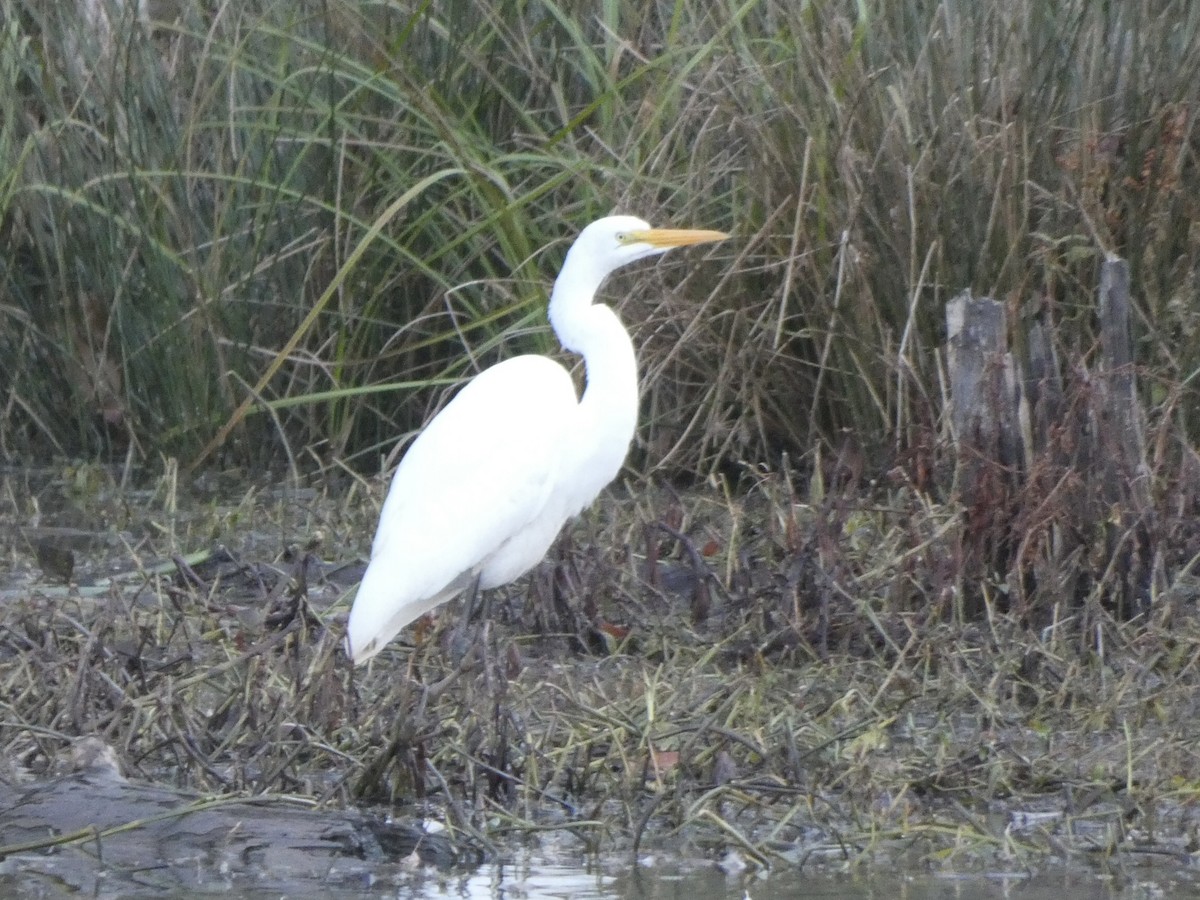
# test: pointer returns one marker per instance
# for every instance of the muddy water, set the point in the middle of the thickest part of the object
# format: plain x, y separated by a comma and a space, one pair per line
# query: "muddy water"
542, 880
546, 881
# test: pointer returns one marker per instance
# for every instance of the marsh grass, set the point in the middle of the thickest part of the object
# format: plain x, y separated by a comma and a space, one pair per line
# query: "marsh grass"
332, 213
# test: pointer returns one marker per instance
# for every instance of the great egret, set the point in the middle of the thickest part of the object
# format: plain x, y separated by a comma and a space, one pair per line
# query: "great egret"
487, 485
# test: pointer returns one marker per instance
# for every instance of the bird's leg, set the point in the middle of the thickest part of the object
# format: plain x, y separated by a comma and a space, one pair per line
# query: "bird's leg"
471, 597
460, 642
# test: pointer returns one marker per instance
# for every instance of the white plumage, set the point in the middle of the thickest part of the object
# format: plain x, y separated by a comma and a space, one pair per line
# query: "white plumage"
488, 484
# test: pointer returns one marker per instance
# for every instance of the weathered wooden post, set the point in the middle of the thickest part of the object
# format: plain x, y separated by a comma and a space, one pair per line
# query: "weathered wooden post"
1120, 410
983, 392
1041, 391
1121, 442
983, 420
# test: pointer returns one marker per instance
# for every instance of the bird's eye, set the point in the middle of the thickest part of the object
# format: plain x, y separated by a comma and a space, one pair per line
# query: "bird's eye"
622, 237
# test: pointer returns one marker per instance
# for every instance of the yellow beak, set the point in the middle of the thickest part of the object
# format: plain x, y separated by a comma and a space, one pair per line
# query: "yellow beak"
675, 237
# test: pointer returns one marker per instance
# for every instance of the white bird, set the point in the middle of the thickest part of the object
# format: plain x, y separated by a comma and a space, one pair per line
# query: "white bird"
487, 485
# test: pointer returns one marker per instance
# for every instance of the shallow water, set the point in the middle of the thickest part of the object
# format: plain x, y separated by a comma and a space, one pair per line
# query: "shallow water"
548, 881
553, 881
539, 880
534, 875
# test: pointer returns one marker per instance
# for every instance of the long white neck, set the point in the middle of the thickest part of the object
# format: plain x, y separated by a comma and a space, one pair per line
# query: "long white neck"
608, 410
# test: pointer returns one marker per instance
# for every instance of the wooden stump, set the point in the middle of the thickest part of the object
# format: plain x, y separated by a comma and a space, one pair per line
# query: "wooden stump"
1124, 471
983, 418
1052, 474
983, 391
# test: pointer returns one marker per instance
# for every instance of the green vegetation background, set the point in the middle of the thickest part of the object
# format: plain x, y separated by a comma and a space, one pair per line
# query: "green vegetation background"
373, 197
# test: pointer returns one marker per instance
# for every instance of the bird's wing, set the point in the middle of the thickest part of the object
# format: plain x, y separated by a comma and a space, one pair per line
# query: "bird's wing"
479, 472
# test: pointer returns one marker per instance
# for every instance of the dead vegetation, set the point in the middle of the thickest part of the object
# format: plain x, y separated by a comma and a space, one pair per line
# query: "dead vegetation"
790, 679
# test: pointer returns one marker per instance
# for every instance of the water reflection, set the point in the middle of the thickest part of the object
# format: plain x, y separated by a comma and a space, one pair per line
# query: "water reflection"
701, 880
534, 879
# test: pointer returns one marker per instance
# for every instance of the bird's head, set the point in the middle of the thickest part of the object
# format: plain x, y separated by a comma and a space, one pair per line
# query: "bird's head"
602, 247
615, 241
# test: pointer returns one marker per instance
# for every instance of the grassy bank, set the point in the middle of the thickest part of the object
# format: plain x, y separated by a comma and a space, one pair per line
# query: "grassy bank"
636, 701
